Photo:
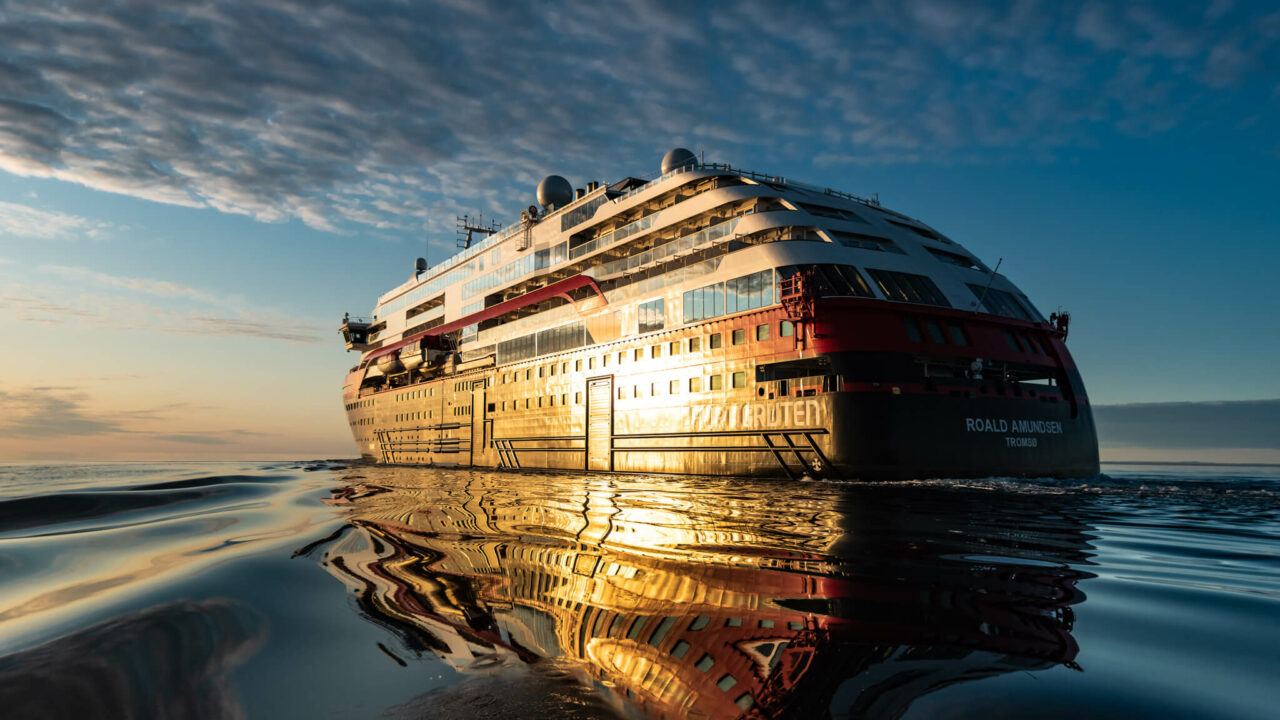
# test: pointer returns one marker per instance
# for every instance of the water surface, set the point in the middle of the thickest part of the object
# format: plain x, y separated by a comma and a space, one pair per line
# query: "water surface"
328, 590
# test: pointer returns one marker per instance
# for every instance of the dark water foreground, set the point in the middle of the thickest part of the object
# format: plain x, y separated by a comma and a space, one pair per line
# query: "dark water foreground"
317, 590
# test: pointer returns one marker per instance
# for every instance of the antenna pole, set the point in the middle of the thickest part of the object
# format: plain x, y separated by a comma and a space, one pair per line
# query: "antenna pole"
983, 297
466, 228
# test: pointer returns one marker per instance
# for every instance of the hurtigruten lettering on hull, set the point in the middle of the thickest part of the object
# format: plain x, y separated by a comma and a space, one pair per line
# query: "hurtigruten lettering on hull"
714, 320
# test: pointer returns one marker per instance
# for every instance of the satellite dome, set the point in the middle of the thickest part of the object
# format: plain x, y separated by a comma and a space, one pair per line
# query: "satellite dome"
678, 158
554, 191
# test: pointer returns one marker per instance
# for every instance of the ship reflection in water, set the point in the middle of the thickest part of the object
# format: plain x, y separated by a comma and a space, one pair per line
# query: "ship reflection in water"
713, 597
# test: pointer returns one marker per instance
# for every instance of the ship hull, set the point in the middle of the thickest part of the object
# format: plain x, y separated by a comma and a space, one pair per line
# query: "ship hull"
872, 410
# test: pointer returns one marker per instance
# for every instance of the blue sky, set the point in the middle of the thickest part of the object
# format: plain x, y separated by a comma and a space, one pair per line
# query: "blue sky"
191, 194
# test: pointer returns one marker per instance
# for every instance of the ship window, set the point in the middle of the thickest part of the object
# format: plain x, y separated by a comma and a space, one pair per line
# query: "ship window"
733, 622
551, 401
695, 384
660, 633
695, 344
504, 406
673, 348
542, 369
539, 401
528, 374
675, 387
604, 360
651, 316
957, 334
999, 302
636, 391
715, 342
935, 331
577, 398
1034, 344
767, 624
655, 351
740, 379
739, 336
762, 332
1012, 340
591, 363
577, 365
526, 403
655, 389
830, 212
705, 663
639, 354
745, 701
716, 383
913, 330
564, 398
786, 329
622, 393
636, 626
621, 356
564, 367
727, 682
553, 369
831, 280
906, 287
865, 242
681, 649
954, 258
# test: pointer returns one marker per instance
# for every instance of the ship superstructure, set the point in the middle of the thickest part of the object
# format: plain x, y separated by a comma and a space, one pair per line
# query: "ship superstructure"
715, 320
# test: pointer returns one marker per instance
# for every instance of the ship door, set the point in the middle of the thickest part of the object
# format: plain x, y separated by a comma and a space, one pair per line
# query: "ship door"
481, 425
600, 423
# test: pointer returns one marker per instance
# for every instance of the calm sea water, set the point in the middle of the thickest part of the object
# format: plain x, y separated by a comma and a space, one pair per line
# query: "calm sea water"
326, 590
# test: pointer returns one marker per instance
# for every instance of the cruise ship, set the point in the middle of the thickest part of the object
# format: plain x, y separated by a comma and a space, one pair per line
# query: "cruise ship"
715, 320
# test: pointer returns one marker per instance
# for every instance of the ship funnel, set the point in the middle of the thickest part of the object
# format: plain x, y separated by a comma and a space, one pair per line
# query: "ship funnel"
678, 158
554, 192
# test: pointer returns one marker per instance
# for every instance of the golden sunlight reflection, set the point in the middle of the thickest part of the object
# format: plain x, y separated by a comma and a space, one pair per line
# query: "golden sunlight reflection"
698, 596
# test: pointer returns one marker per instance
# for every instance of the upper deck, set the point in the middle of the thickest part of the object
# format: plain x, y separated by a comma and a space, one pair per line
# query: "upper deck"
662, 251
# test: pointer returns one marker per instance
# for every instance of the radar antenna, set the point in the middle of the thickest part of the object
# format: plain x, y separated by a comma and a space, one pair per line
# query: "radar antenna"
467, 226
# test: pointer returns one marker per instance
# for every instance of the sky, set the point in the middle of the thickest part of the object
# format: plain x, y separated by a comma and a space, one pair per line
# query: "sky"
192, 194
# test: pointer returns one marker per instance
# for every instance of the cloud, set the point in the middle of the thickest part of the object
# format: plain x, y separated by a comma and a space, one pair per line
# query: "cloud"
50, 412
1190, 425
162, 288
393, 116
147, 304
26, 222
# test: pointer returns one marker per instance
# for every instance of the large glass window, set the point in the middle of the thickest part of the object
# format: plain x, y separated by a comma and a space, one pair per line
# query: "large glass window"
832, 280
732, 296
999, 302
651, 315
906, 287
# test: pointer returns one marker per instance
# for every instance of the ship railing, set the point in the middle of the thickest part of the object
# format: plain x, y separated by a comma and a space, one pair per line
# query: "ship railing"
695, 241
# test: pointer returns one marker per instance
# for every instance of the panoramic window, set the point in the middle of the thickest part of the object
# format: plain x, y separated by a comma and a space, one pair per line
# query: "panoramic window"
832, 280
1000, 302
732, 296
906, 287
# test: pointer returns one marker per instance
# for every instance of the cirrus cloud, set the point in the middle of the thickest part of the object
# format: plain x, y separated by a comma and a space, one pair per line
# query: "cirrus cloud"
385, 115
